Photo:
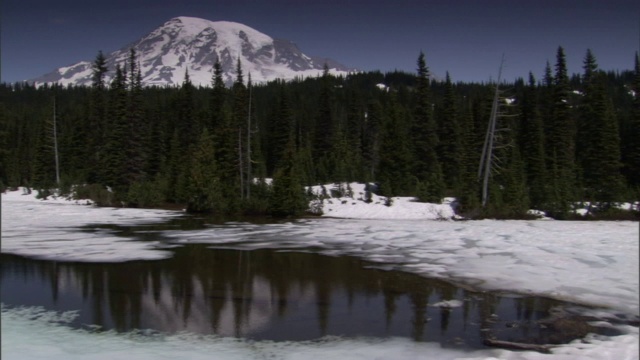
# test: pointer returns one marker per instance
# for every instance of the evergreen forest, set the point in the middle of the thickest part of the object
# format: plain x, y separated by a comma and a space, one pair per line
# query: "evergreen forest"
560, 139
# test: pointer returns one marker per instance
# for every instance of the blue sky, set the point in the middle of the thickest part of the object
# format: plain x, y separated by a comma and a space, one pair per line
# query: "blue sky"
465, 37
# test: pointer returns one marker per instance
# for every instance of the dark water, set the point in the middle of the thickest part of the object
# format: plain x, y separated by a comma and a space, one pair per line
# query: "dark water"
268, 294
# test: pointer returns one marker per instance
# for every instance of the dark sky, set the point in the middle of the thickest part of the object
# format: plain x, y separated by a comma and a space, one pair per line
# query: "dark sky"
465, 37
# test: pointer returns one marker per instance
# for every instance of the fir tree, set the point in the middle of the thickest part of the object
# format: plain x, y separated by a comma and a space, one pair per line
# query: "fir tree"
175, 172
353, 132
450, 146
586, 122
188, 126
371, 140
45, 163
513, 191
136, 127
288, 197
240, 114
561, 142
114, 159
324, 129
532, 145
468, 191
601, 165
395, 153
218, 92
97, 118
203, 183
427, 168
280, 129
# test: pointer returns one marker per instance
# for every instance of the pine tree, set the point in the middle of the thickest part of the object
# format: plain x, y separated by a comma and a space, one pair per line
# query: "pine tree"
240, 114
218, 93
468, 192
114, 159
395, 153
203, 183
427, 168
288, 197
601, 164
450, 147
532, 145
324, 129
136, 126
561, 142
371, 140
341, 159
513, 191
586, 122
280, 129
44, 176
97, 118
353, 133
175, 171
188, 126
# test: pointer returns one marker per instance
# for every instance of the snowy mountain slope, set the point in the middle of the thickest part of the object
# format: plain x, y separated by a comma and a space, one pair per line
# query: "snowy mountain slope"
192, 44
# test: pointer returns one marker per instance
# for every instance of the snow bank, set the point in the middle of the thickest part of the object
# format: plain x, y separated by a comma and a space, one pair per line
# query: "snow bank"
49, 229
352, 205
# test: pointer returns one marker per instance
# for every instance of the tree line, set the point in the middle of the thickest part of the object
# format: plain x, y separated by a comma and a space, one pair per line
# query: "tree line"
559, 140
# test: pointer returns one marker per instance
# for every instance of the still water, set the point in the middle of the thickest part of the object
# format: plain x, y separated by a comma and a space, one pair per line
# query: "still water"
269, 295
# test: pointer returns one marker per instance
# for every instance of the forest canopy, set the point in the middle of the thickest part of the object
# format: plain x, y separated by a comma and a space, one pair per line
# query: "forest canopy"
560, 139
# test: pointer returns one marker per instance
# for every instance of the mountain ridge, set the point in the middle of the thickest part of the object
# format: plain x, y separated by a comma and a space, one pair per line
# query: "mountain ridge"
192, 44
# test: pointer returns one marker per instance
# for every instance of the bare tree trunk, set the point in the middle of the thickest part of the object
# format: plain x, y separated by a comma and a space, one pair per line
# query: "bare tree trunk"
249, 179
484, 169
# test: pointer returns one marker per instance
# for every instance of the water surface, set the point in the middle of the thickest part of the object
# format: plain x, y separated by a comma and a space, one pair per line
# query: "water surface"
270, 295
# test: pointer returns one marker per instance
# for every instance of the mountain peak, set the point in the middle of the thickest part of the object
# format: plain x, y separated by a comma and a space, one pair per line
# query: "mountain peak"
192, 44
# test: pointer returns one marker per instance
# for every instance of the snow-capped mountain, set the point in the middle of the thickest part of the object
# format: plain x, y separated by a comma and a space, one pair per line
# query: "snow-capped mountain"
192, 44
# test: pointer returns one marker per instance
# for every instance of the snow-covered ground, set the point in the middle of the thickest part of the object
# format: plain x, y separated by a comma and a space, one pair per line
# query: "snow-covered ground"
352, 205
47, 229
587, 262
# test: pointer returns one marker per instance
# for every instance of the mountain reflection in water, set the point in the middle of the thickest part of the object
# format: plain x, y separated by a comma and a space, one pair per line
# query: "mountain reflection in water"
267, 294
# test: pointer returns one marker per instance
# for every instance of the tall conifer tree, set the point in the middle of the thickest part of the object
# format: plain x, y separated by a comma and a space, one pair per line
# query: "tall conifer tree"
450, 147
287, 196
395, 153
532, 145
600, 142
136, 127
240, 113
216, 103
114, 159
561, 141
427, 169
203, 182
324, 128
97, 118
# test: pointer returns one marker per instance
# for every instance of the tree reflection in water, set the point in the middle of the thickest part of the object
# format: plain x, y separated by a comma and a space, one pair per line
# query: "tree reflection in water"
267, 294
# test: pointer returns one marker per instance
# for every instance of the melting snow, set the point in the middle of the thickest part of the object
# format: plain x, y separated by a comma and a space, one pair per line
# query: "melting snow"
587, 262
